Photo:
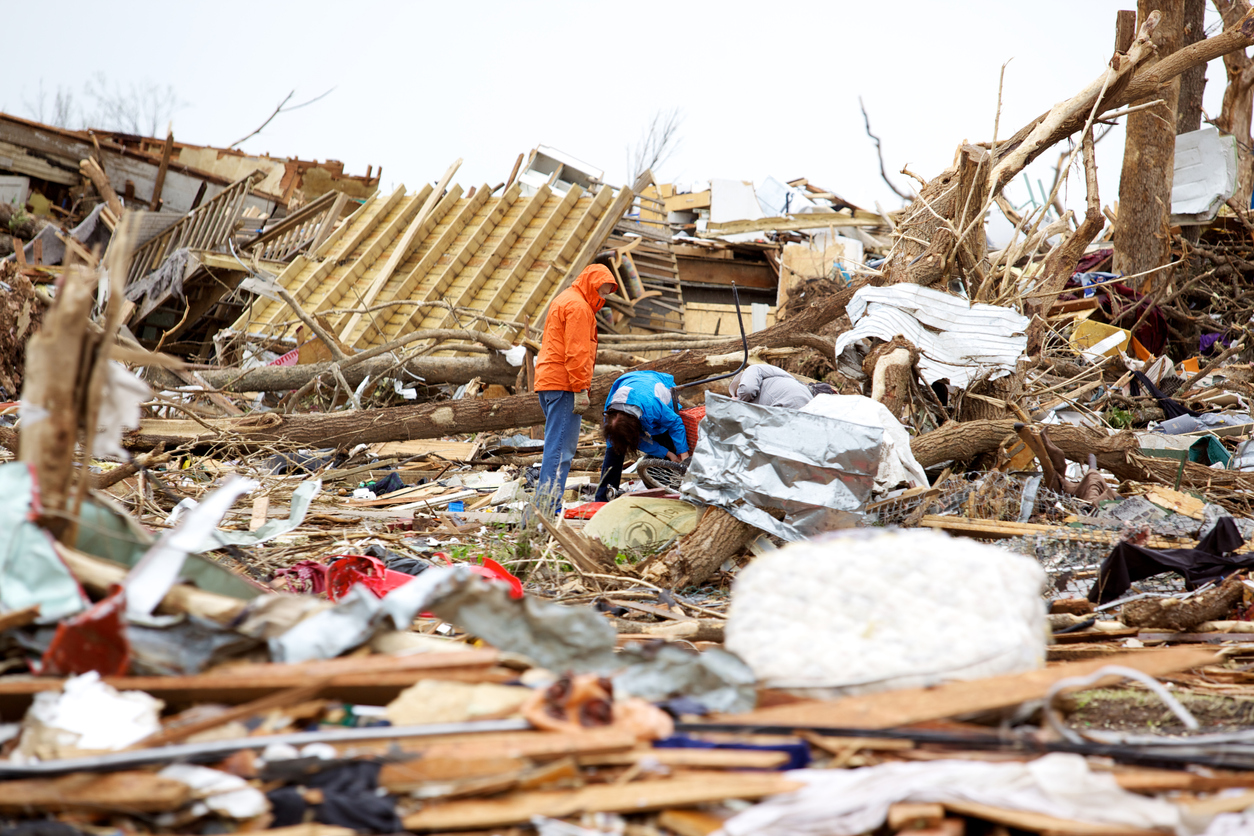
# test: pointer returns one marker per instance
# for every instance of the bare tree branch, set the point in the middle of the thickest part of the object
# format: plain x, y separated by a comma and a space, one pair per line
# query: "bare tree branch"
657, 145
880, 154
278, 110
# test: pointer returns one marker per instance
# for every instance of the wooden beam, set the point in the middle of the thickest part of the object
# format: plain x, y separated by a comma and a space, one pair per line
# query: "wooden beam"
588, 248
439, 278
482, 276
638, 796
818, 220
93, 172
918, 705
495, 304
725, 271
155, 204
414, 234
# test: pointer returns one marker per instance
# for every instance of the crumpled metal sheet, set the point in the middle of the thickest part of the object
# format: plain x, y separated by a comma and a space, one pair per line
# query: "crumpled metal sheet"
957, 340
751, 458
557, 637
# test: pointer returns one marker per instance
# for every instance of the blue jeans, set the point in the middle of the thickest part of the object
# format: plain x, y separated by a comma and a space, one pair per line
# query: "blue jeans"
561, 438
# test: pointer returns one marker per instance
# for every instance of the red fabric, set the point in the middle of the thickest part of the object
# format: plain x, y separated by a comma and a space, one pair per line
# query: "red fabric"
94, 640
583, 512
568, 349
691, 418
349, 569
306, 577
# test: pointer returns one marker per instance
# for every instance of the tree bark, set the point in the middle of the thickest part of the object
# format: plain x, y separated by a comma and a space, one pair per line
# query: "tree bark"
1193, 80
490, 368
694, 559
1238, 102
471, 415
948, 203
1115, 453
1142, 240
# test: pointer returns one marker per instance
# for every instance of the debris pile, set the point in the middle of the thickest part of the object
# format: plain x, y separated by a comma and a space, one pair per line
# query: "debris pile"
925, 536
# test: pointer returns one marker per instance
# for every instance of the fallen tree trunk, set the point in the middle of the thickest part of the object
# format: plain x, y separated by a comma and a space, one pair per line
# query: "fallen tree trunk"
1116, 453
335, 429
693, 560
490, 368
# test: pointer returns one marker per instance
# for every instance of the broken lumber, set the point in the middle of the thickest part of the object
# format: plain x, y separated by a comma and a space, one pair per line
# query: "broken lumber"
87, 792
467, 415
93, 172
954, 699
58, 363
639, 796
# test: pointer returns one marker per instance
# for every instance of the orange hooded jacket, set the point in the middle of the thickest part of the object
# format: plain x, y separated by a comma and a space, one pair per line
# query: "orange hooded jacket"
568, 349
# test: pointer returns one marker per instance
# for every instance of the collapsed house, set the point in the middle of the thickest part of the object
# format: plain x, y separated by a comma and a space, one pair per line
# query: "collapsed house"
990, 575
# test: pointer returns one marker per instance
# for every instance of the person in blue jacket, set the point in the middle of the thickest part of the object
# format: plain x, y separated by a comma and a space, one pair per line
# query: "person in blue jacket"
640, 415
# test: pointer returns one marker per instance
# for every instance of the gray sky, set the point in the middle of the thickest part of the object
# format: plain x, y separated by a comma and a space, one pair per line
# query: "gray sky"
765, 89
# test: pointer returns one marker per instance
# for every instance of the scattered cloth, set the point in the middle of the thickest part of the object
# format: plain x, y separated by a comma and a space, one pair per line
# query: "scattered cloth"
1212, 559
846, 802
1171, 409
349, 799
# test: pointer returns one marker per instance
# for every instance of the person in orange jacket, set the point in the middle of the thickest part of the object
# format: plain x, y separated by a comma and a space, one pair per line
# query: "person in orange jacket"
568, 353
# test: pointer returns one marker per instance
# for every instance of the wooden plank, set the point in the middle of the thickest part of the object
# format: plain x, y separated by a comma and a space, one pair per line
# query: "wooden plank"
416, 231
458, 451
817, 220
404, 287
338, 287
692, 758
1181, 503
723, 271
918, 705
19, 618
591, 244
131, 791
996, 530
640, 796
155, 204
1041, 823
494, 304
492, 259
438, 279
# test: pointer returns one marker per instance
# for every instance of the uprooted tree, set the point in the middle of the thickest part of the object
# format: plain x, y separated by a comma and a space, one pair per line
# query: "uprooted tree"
941, 234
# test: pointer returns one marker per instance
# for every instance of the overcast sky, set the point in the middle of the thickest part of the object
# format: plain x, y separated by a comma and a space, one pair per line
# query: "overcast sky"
764, 89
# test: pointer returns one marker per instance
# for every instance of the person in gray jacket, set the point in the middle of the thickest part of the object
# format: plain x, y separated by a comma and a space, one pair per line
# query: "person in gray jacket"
769, 386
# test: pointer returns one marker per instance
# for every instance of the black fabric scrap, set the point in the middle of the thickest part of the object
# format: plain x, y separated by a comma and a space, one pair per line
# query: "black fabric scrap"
398, 562
1212, 559
392, 482
1171, 409
350, 799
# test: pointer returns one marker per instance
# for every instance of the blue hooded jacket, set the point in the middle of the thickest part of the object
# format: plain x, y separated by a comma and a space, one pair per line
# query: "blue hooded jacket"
647, 395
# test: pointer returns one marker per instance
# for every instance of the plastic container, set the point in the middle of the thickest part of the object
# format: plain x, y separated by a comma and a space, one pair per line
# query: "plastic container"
457, 507
692, 418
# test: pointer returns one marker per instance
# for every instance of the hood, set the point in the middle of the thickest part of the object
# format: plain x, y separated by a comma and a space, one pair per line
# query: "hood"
592, 277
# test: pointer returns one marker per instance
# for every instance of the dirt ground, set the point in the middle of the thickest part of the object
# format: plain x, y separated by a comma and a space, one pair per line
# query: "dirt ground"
1134, 709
